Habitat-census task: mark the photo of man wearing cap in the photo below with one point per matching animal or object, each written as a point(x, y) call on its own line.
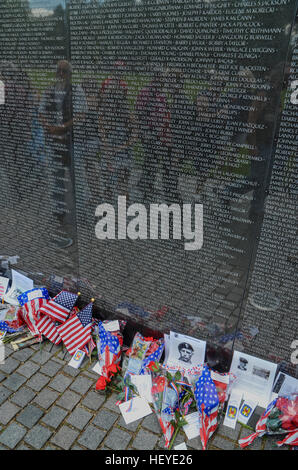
point(186, 352)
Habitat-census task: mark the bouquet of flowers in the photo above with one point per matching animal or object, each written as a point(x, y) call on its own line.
point(281, 417)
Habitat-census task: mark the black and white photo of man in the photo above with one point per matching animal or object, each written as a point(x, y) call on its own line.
point(186, 352)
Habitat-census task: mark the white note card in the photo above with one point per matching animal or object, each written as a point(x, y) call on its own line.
point(134, 409)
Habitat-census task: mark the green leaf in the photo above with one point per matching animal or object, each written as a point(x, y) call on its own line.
point(177, 376)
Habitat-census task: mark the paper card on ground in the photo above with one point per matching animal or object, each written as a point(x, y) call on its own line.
point(285, 384)
point(77, 359)
point(185, 352)
point(3, 285)
point(143, 384)
point(246, 411)
point(97, 368)
point(137, 409)
point(19, 285)
point(2, 334)
point(112, 326)
point(233, 410)
point(192, 428)
point(181, 446)
point(254, 377)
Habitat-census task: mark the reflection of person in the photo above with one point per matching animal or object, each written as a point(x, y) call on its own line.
point(62, 105)
point(117, 134)
point(152, 114)
point(186, 352)
point(242, 363)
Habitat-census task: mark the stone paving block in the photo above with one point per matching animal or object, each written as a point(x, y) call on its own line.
point(76, 447)
point(65, 437)
point(144, 440)
point(54, 417)
point(51, 348)
point(2, 377)
point(23, 396)
point(91, 437)
point(14, 381)
point(9, 366)
point(38, 436)
point(79, 418)
point(4, 394)
point(23, 354)
point(60, 382)
point(270, 443)
point(222, 443)
point(41, 357)
point(93, 400)
point(30, 415)
point(38, 381)
point(12, 435)
point(194, 443)
point(117, 439)
point(68, 400)
point(151, 423)
point(7, 412)
point(28, 369)
point(23, 447)
point(71, 371)
point(111, 403)
point(81, 385)
point(229, 432)
point(50, 368)
point(256, 445)
point(130, 427)
point(105, 419)
point(64, 356)
point(46, 398)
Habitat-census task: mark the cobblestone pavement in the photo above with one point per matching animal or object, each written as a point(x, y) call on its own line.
point(46, 404)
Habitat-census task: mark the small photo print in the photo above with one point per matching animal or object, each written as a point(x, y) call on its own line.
point(263, 373)
point(242, 364)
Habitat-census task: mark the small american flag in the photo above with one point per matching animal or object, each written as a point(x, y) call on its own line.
point(207, 401)
point(30, 313)
point(60, 306)
point(76, 331)
point(47, 327)
point(291, 439)
point(260, 427)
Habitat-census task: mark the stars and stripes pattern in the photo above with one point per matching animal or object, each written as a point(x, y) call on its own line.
point(31, 314)
point(76, 331)
point(291, 439)
point(260, 427)
point(60, 306)
point(47, 327)
point(155, 356)
point(207, 402)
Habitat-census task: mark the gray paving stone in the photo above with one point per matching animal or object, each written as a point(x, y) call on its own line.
point(4, 394)
point(130, 427)
point(118, 439)
point(256, 445)
point(50, 368)
point(81, 385)
point(41, 357)
point(38, 381)
point(46, 398)
point(23, 354)
point(93, 400)
point(23, 396)
point(12, 435)
point(54, 417)
point(69, 400)
point(229, 432)
point(9, 366)
point(145, 440)
point(194, 443)
point(79, 418)
point(29, 416)
point(60, 382)
point(23, 447)
point(105, 419)
point(91, 437)
point(51, 348)
point(7, 412)
point(111, 403)
point(65, 437)
point(76, 447)
point(222, 443)
point(38, 436)
point(28, 369)
point(2, 377)
point(151, 423)
point(71, 371)
point(14, 381)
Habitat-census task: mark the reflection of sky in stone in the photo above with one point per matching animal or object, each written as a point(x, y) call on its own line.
point(45, 4)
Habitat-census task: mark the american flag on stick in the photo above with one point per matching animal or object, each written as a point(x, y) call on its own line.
point(208, 402)
point(76, 331)
point(60, 306)
point(47, 327)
